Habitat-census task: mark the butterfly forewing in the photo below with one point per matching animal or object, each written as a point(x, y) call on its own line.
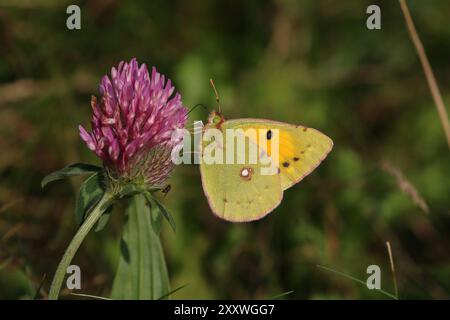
point(301, 149)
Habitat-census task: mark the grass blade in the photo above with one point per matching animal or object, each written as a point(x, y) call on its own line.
point(283, 294)
point(173, 291)
point(356, 280)
point(394, 274)
point(88, 296)
point(429, 75)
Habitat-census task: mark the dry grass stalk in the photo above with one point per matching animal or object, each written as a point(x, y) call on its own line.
point(434, 88)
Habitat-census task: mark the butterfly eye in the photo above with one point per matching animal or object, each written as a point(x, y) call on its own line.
point(269, 134)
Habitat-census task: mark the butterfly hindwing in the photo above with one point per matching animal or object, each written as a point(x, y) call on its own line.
point(235, 198)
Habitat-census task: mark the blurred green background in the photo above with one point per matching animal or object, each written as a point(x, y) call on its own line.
point(305, 62)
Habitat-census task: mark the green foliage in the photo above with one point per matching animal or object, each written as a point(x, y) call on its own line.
point(142, 272)
point(157, 206)
point(90, 193)
point(306, 62)
point(75, 169)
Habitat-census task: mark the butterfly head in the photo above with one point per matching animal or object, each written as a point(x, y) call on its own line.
point(215, 119)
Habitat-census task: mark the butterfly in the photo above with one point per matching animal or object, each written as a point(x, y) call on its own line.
point(243, 191)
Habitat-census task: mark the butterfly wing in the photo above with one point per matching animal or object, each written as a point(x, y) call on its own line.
point(236, 199)
point(301, 149)
point(239, 192)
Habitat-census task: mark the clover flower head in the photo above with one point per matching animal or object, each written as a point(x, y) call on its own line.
point(133, 121)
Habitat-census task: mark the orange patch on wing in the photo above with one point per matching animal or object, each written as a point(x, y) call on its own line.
point(286, 148)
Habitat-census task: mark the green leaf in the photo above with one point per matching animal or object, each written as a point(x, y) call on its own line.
point(160, 208)
point(156, 217)
point(156, 206)
point(130, 190)
point(90, 193)
point(101, 223)
point(69, 171)
point(142, 272)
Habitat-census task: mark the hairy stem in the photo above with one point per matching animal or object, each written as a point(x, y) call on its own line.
point(75, 244)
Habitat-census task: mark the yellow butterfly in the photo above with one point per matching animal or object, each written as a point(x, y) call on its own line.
point(240, 192)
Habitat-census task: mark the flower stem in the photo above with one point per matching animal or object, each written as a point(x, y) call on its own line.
point(87, 225)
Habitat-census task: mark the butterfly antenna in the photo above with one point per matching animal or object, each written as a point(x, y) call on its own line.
point(217, 95)
point(197, 105)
